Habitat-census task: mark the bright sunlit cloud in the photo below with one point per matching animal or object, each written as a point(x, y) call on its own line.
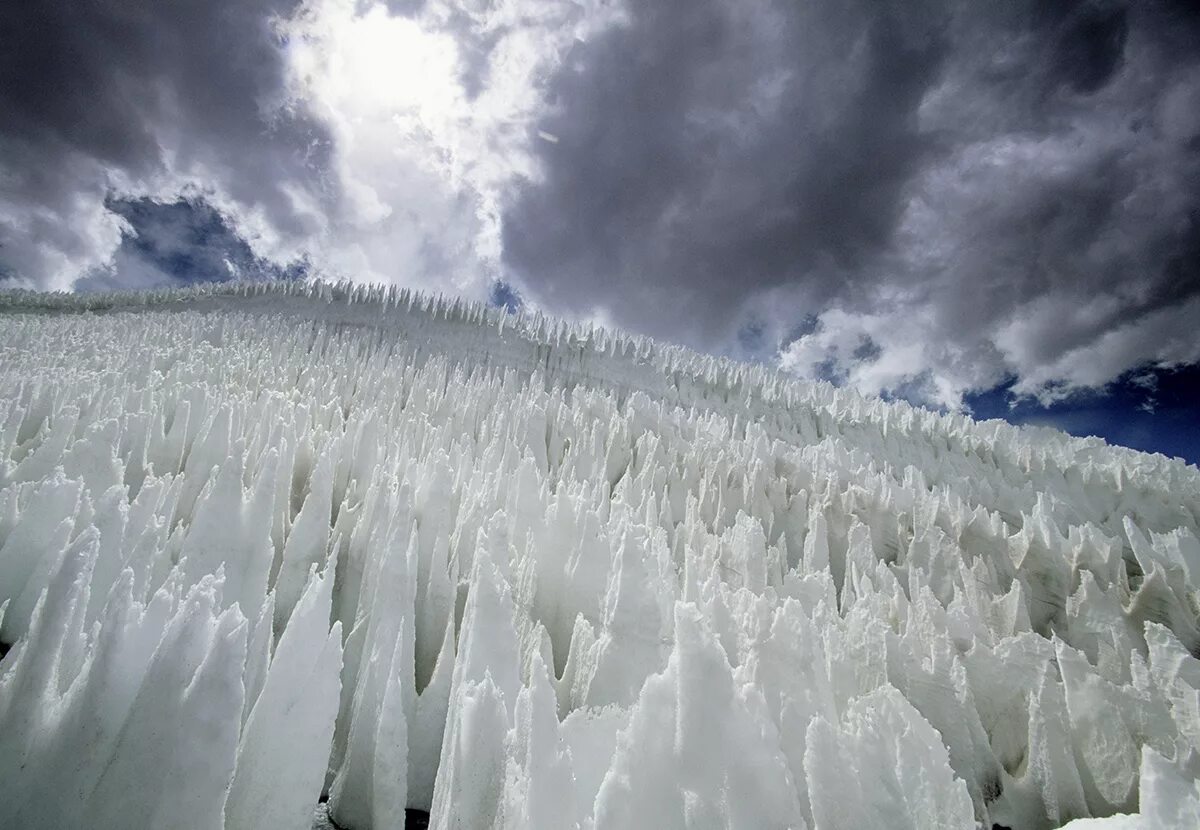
point(431, 118)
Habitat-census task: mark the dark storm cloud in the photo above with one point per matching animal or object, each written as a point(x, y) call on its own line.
point(710, 148)
point(1089, 46)
point(1065, 210)
point(96, 94)
point(1023, 177)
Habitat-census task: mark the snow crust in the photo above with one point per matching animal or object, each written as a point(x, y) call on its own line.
point(260, 544)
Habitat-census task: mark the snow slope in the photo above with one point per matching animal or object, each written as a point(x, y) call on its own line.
point(260, 543)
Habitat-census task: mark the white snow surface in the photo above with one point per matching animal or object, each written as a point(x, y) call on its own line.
point(265, 543)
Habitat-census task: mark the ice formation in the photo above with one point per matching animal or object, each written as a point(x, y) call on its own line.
point(263, 544)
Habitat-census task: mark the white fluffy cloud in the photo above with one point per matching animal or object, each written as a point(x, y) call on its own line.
point(431, 115)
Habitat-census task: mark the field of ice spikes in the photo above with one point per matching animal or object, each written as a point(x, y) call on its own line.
point(261, 546)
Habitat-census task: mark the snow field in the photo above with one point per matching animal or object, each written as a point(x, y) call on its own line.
point(263, 543)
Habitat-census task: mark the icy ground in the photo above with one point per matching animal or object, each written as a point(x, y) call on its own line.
point(414, 819)
point(260, 544)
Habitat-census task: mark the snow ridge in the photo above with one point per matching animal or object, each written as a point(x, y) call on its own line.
point(263, 543)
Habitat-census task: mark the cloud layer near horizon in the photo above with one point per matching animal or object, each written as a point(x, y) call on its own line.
point(919, 198)
point(956, 194)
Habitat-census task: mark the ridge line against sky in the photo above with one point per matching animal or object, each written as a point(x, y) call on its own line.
point(987, 208)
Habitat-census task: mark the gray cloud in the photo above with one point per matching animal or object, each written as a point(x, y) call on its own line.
point(100, 97)
point(980, 191)
point(918, 197)
point(710, 149)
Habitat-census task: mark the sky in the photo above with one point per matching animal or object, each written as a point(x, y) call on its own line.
point(986, 207)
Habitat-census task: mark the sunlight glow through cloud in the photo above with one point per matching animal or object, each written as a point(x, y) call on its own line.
point(427, 136)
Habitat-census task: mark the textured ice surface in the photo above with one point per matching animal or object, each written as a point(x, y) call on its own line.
point(264, 544)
